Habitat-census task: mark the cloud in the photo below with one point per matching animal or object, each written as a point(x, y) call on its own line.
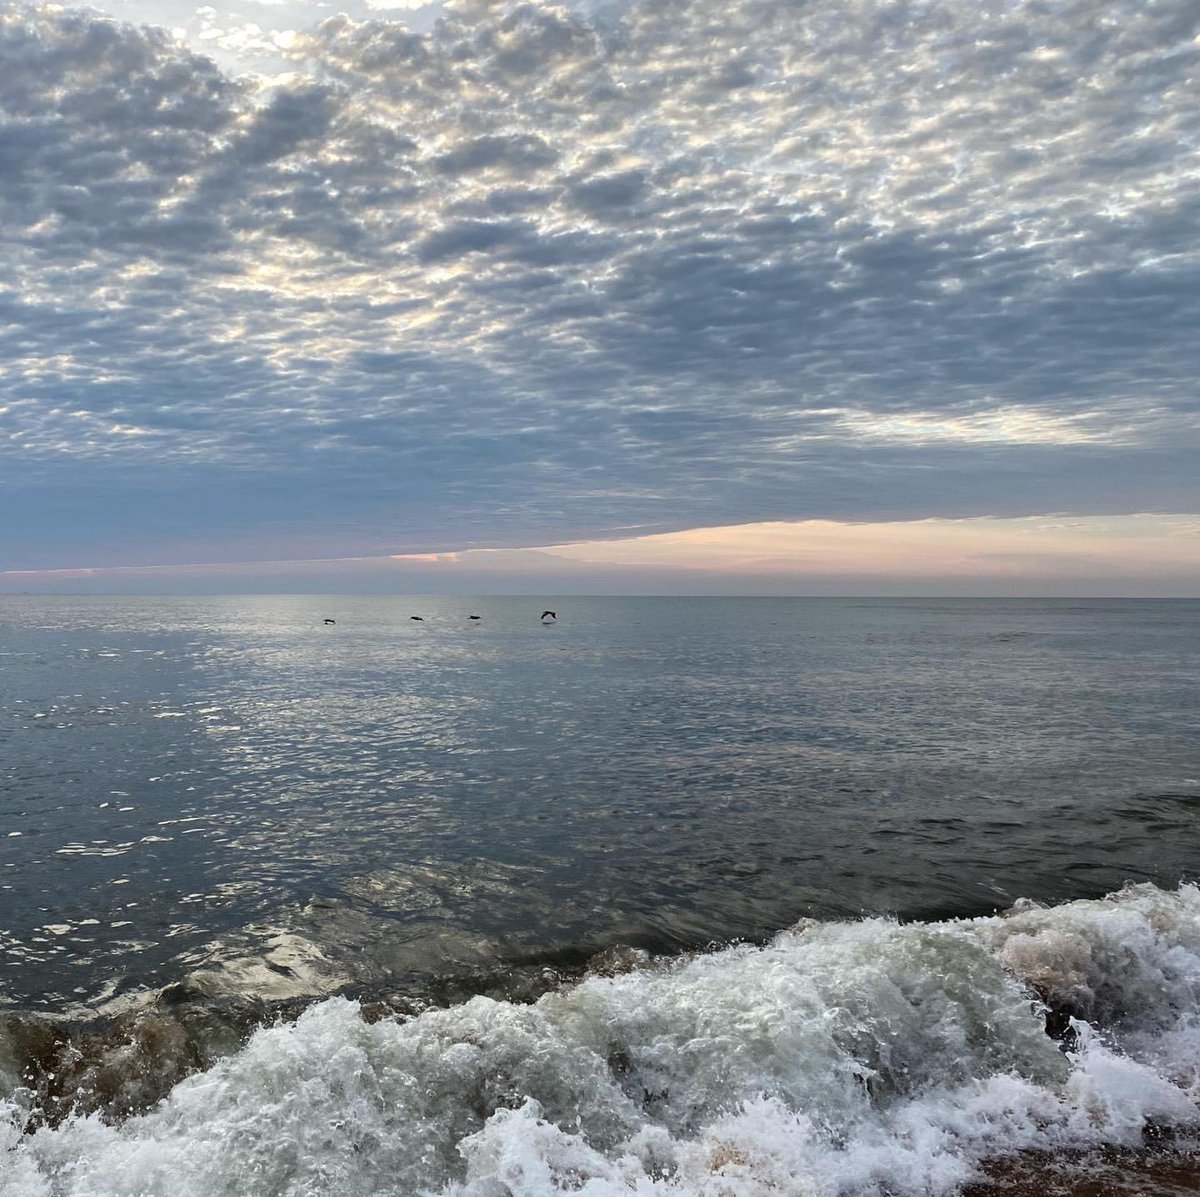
point(398, 5)
point(534, 276)
point(1119, 556)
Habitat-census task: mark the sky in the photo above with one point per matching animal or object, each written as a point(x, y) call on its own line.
point(763, 296)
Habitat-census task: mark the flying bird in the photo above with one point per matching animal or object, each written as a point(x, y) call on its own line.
point(420, 617)
point(552, 614)
point(474, 616)
point(331, 621)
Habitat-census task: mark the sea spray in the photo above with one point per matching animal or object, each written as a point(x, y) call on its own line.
point(840, 1058)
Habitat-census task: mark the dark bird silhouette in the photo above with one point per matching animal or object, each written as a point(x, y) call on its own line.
point(552, 614)
point(331, 621)
point(474, 616)
point(420, 617)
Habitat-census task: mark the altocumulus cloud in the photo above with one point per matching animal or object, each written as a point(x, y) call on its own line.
point(538, 276)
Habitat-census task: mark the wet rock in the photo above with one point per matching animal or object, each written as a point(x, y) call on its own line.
point(619, 959)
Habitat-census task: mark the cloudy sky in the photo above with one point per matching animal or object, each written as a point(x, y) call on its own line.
point(781, 295)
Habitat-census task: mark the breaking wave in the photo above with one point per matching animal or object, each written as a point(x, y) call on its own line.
point(840, 1058)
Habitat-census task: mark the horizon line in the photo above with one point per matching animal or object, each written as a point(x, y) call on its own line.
point(540, 594)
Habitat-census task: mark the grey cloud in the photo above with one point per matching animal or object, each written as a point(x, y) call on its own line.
point(286, 122)
point(604, 195)
point(515, 154)
point(471, 236)
point(533, 276)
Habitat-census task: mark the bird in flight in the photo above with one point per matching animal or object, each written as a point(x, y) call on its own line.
point(551, 614)
point(331, 621)
point(474, 616)
point(420, 617)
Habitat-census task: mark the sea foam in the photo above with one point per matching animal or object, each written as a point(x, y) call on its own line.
point(840, 1058)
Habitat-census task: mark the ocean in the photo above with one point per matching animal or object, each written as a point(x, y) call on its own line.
point(668, 895)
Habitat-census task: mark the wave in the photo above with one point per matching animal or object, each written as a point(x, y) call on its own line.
point(840, 1058)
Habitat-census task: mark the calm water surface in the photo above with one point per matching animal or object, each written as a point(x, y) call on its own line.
point(229, 789)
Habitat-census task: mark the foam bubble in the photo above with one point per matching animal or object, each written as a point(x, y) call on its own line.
point(851, 1058)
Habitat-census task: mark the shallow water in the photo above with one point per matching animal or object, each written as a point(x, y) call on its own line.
point(840, 1058)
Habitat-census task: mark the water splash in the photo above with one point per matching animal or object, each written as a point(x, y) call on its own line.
point(841, 1058)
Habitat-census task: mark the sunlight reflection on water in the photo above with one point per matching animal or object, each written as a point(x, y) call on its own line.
point(407, 796)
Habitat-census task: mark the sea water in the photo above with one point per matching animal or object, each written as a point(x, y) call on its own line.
point(781, 832)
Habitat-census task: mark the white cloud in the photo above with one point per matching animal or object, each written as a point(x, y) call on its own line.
point(999, 426)
point(399, 5)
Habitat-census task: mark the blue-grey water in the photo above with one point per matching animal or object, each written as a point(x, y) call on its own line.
point(218, 815)
point(215, 787)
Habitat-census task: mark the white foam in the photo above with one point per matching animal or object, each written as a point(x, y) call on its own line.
point(839, 1059)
